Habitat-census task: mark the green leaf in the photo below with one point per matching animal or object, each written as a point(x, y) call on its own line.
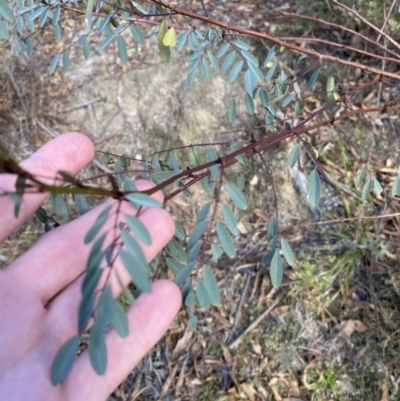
point(211, 285)
point(226, 240)
point(276, 270)
point(377, 186)
point(142, 199)
point(139, 229)
point(123, 53)
point(177, 251)
point(272, 230)
point(230, 219)
point(287, 252)
point(366, 190)
point(249, 103)
point(294, 155)
point(360, 176)
point(288, 100)
point(267, 258)
point(212, 156)
point(205, 69)
point(59, 206)
point(270, 55)
point(57, 32)
point(119, 320)
point(216, 252)
point(232, 110)
point(65, 61)
point(179, 232)
point(312, 80)
point(242, 45)
point(192, 323)
point(202, 295)
point(236, 195)
point(249, 81)
point(256, 72)
point(97, 349)
point(170, 38)
point(203, 212)
point(192, 75)
point(135, 251)
point(223, 49)
point(54, 63)
point(194, 155)
point(190, 299)
point(264, 97)
point(64, 360)
point(182, 40)
point(97, 226)
point(208, 186)
point(173, 161)
point(174, 266)
point(396, 187)
point(196, 234)
point(330, 84)
point(269, 122)
point(137, 34)
point(213, 61)
point(89, 15)
point(228, 62)
point(163, 50)
point(86, 306)
point(314, 188)
point(6, 11)
point(237, 68)
point(184, 274)
point(56, 15)
point(139, 277)
point(271, 72)
point(96, 254)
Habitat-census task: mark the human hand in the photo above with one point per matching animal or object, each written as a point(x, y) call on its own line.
point(41, 290)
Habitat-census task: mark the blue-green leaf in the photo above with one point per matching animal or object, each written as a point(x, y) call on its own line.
point(249, 103)
point(176, 249)
point(232, 110)
point(174, 266)
point(81, 204)
point(203, 212)
point(138, 229)
point(54, 63)
point(226, 240)
point(312, 80)
point(64, 360)
point(377, 186)
point(223, 49)
point(230, 219)
point(271, 72)
point(288, 100)
point(202, 295)
point(212, 156)
point(121, 44)
point(139, 198)
point(137, 34)
point(294, 155)
point(211, 285)
point(228, 62)
point(135, 251)
point(242, 45)
point(213, 61)
point(139, 277)
point(396, 187)
point(119, 320)
point(6, 11)
point(366, 190)
point(216, 252)
point(236, 195)
point(236, 69)
point(196, 234)
point(314, 188)
point(65, 61)
point(287, 252)
point(179, 232)
point(97, 349)
point(249, 82)
point(97, 226)
point(264, 97)
point(276, 269)
point(272, 230)
point(360, 176)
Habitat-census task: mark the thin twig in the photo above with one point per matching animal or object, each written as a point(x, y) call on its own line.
point(79, 105)
point(256, 322)
point(386, 19)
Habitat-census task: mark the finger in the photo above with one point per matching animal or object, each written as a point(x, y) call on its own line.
point(148, 318)
point(71, 152)
point(60, 256)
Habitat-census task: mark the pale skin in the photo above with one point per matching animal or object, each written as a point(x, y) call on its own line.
point(41, 290)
